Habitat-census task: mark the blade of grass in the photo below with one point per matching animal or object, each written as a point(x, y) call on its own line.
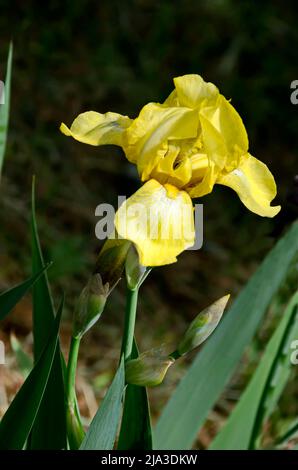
point(10, 298)
point(243, 426)
point(198, 391)
point(17, 422)
point(49, 430)
point(4, 108)
point(135, 430)
point(102, 432)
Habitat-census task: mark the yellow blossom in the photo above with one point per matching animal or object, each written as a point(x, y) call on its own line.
point(181, 148)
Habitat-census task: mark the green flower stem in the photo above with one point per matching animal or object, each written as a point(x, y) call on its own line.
point(130, 320)
point(71, 369)
point(75, 429)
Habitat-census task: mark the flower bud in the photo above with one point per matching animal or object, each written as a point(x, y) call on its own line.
point(75, 431)
point(90, 305)
point(111, 261)
point(202, 327)
point(149, 369)
point(135, 272)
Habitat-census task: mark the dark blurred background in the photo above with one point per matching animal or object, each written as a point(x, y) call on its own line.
point(74, 56)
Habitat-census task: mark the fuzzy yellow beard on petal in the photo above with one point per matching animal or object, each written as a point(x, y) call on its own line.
point(159, 220)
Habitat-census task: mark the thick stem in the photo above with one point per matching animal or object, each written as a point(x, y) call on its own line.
point(129, 325)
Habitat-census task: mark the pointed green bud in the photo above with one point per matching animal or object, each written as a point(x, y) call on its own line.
point(149, 369)
point(111, 261)
point(75, 431)
point(90, 305)
point(135, 272)
point(202, 327)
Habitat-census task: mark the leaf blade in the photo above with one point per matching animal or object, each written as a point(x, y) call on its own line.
point(24, 408)
point(101, 434)
point(49, 430)
point(136, 432)
point(241, 430)
point(24, 361)
point(11, 297)
point(232, 338)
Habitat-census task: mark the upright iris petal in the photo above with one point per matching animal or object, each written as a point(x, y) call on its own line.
point(192, 91)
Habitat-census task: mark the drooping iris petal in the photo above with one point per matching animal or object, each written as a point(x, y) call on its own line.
point(98, 129)
point(148, 135)
point(254, 185)
point(159, 220)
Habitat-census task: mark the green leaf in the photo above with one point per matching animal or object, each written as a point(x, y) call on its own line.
point(11, 297)
point(282, 372)
point(43, 308)
point(102, 432)
point(17, 422)
point(4, 108)
point(135, 430)
point(49, 430)
point(24, 361)
point(198, 391)
point(243, 426)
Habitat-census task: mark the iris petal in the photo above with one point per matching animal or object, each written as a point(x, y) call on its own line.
point(147, 137)
point(254, 185)
point(213, 143)
point(171, 170)
point(159, 220)
point(204, 185)
point(227, 122)
point(98, 129)
point(193, 91)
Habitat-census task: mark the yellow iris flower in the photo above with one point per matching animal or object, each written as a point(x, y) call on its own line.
point(181, 148)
